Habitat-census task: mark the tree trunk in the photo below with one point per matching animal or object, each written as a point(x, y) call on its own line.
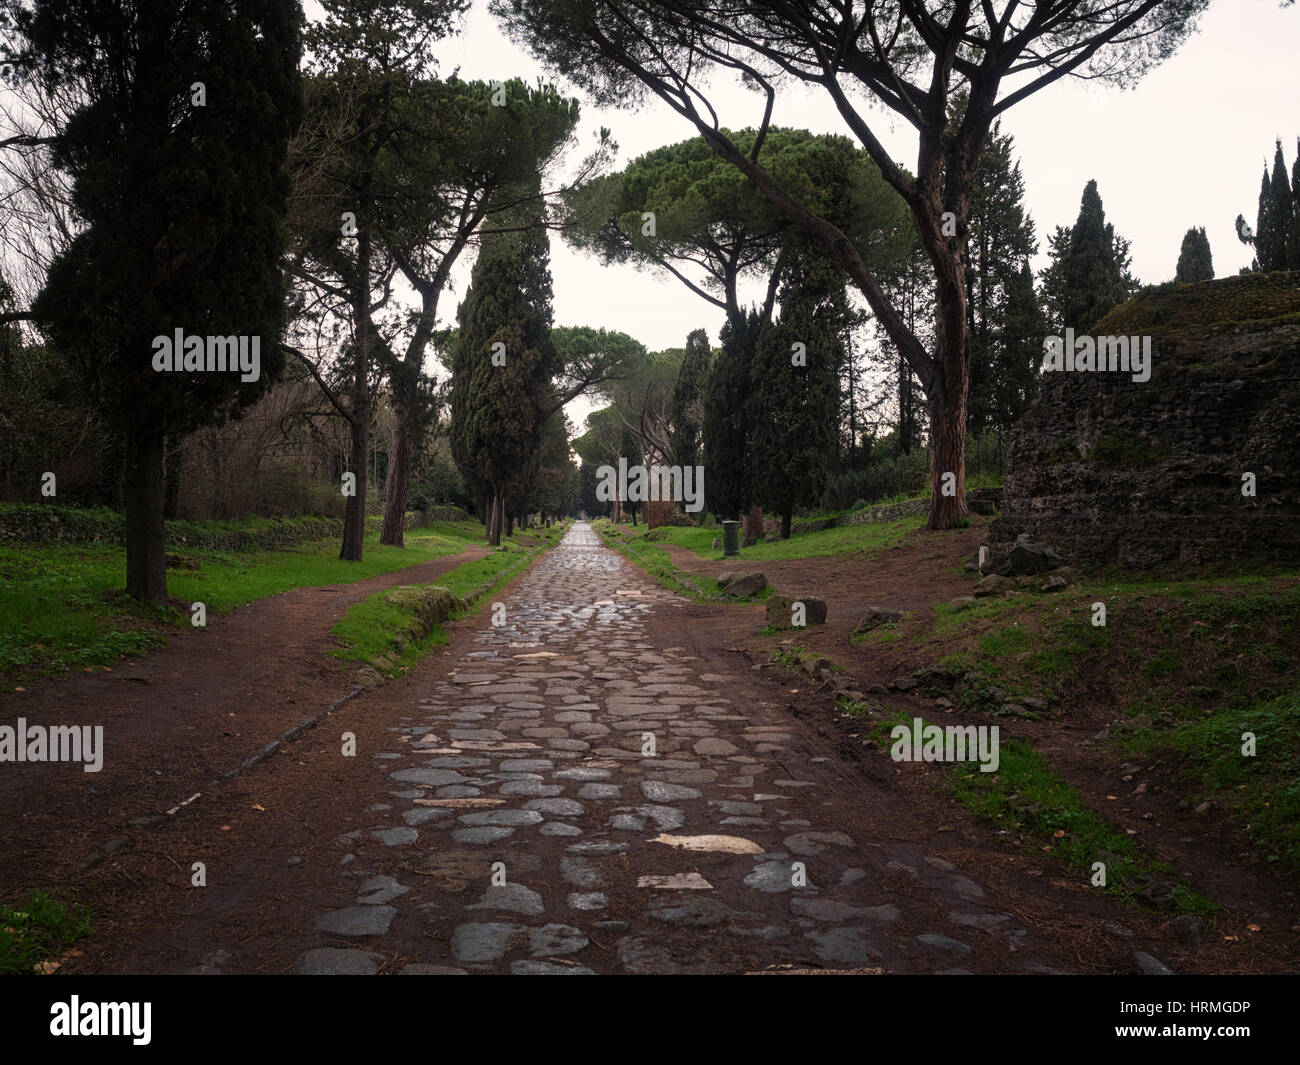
point(146, 534)
point(946, 394)
point(354, 513)
point(786, 521)
point(753, 527)
point(853, 416)
point(510, 524)
point(399, 476)
point(494, 524)
point(947, 456)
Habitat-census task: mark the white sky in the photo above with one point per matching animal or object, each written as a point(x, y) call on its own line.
point(1186, 147)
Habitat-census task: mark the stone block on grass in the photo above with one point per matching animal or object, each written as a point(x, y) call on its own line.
point(781, 610)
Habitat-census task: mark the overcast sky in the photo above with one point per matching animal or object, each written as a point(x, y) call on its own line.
point(1184, 148)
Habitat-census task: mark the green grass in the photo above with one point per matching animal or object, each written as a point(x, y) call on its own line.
point(872, 539)
point(632, 544)
point(38, 930)
point(1042, 814)
point(1172, 643)
point(1039, 810)
point(1179, 310)
point(1183, 667)
point(1260, 791)
point(789, 656)
point(952, 620)
point(61, 606)
point(860, 712)
point(375, 632)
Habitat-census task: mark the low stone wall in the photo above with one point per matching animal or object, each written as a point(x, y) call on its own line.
point(37, 523)
point(907, 508)
point(867, 516)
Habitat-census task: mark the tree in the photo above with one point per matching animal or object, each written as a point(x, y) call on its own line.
point(629, 449)
point(1244, 233)
point(794, 394)
point(726, 424)
point(592, 360)
point(181, 205)
point(1194, 260)
point(1018, 354)
point(1293, 241)
point(505, 360)
point(681, 209)
point(687, 410)
point(370, 62)
point(641, 400)
point(913, 58)
point(684, 211)
point(1277, 237)
point(1001, 238)
point(587, 502)
point(471, 140)
point(910, 286)
point(1089, 273)
point(554, 485)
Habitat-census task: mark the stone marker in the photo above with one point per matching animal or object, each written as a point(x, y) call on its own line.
point(780, 610)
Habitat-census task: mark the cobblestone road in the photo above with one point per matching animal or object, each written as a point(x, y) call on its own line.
point(531, 830)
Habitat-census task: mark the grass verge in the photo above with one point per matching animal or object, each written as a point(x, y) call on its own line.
point(389, 639)
point(1180, 671)
point(1041, 813)
point(1247, 762)
point(632, 544)
point(36, 933)
point(871, 538)
point(61, 605)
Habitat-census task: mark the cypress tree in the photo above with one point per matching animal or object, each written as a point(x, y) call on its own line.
point(1194, 260)
point(504, 360)
point(725, 428)
point(1264, 227)
point(629, 448)
point(1281, 214)
point(1001, 236)
point(175, 151)
point(794, 393)
point(1293, 243)
point(688, 397)
point(1019, 352)
point(1089, 274)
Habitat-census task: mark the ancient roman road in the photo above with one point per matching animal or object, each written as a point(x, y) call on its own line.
point(574, 798)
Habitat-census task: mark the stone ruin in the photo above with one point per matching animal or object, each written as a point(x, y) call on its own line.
point(1107, 469)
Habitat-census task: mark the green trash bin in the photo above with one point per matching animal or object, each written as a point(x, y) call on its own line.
point(730, 538)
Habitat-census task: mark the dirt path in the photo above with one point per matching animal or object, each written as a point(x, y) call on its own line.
point(175, 719)
point(1259, 930)
point(524, 745)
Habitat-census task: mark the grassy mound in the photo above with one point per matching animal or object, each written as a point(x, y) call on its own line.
point(1177, 310)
